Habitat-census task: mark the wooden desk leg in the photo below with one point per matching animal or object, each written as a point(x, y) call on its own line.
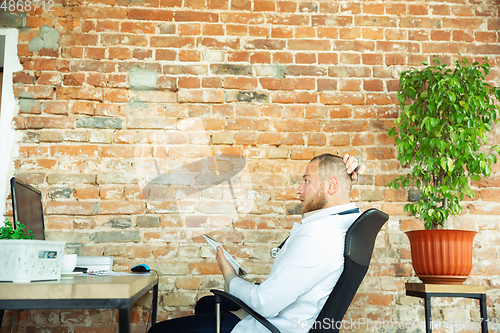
point(428, 314)
point(124, 320)
point(484, 313)
point(1, 318)
point(155, 304)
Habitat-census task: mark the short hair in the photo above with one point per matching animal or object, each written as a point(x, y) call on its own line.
point(330, 165)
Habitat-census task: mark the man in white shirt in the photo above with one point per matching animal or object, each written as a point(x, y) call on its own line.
point(307, 266)
point(312, 259)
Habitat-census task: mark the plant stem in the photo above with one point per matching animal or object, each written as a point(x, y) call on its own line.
point(445, 221)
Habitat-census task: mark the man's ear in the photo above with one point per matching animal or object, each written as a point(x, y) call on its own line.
point(332, 185)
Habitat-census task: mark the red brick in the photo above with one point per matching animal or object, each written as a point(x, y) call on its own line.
point(86, 193)
point(328, 58)
point(395, 59)
point(142, 54)
point(260, 58)
point(213, 30)
point(240, 83)
point(293, 97)
point(270, 83)
point(138, 27)
point(189, 82)
point(150, 14)
point(375, 21)
point(345, 126)
point(342, 98)
point(363, 140)
point(189, 29)
point(246, 124)
point(463, 36)
point(350, 58)
point(305, 32)
point(281, 32)
point(327, 32)
point(259, 31)
point(48, 78)
point(236, 30)
point(377, 9)
point(83, 108)
point(396, 9)
point(486, 37)
point(218, 4)
point(38, 22)
point(89, 12)
point(309, 44)
point(95, 53)
point(165, 54)
point(350, 85)
point(187, 16)
point(211, 82)
point(418, 10)
point(121, 207)
point(107, 26)
point(282, 58)
point(310, 125)
point(373, 85)
point(188, 55)
point(214, 43)
point(305, 58)
point(56, 107)
point(50, 122)
point(372, 59)
point(396, 34)
point(80, 151)
point(372, 33)
point(264, 6)
point(174, 42)
point(70, 208)
point(462, 23)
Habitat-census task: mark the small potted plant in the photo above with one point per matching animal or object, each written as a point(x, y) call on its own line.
point(441, 135)
point(24, 259)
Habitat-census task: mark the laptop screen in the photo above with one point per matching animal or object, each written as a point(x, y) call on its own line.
point(27, 207)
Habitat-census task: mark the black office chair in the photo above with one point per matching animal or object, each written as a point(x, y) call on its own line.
point(358, 249)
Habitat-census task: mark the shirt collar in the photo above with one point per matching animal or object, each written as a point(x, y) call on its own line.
point(320, 213)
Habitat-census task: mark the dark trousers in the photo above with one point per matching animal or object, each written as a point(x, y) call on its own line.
point(203, 321)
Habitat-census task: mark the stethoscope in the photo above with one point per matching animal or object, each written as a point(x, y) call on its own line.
point(274, 251)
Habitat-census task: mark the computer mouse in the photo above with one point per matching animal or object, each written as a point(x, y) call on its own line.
point(140, 268)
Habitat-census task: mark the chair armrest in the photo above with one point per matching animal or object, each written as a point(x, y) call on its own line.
point(249, 310)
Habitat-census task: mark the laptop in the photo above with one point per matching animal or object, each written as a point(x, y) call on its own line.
point(27, 207)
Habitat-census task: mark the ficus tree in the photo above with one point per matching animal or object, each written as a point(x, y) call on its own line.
point(441, 133)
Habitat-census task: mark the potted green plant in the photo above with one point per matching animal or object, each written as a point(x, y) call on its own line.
point(441, 135)
point(24, 259)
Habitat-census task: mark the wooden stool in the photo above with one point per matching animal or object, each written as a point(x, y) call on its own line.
point(426, 291)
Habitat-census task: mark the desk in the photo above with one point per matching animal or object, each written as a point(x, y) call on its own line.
point(82, 292)
point(426, 291)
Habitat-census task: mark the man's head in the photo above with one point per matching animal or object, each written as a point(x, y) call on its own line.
point(326, 183)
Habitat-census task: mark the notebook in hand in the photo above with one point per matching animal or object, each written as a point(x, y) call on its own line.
point(236, 266)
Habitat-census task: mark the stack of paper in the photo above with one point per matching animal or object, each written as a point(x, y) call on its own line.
point(236, 266)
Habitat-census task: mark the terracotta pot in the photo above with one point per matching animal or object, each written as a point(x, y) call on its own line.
point(441, 256)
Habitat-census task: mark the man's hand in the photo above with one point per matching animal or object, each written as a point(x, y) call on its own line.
point(351, 164)
point(224, 265)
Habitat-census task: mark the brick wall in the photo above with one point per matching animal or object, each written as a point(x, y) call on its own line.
point(133, 116)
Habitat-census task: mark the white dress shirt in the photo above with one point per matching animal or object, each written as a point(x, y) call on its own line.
point(303, 274)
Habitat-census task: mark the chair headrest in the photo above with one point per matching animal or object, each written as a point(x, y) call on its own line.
point(361, 235)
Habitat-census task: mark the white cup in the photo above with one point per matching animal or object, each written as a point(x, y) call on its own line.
point(68, 263)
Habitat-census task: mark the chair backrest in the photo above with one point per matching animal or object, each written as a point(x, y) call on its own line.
point(359, 243)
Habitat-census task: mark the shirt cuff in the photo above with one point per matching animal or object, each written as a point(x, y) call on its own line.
point(227, 281)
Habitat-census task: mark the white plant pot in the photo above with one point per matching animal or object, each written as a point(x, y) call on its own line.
point(23, 261)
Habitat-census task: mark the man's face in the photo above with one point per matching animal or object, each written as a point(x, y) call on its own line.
point(311, 192)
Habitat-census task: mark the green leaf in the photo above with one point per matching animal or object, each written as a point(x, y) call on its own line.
point(475, 177)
